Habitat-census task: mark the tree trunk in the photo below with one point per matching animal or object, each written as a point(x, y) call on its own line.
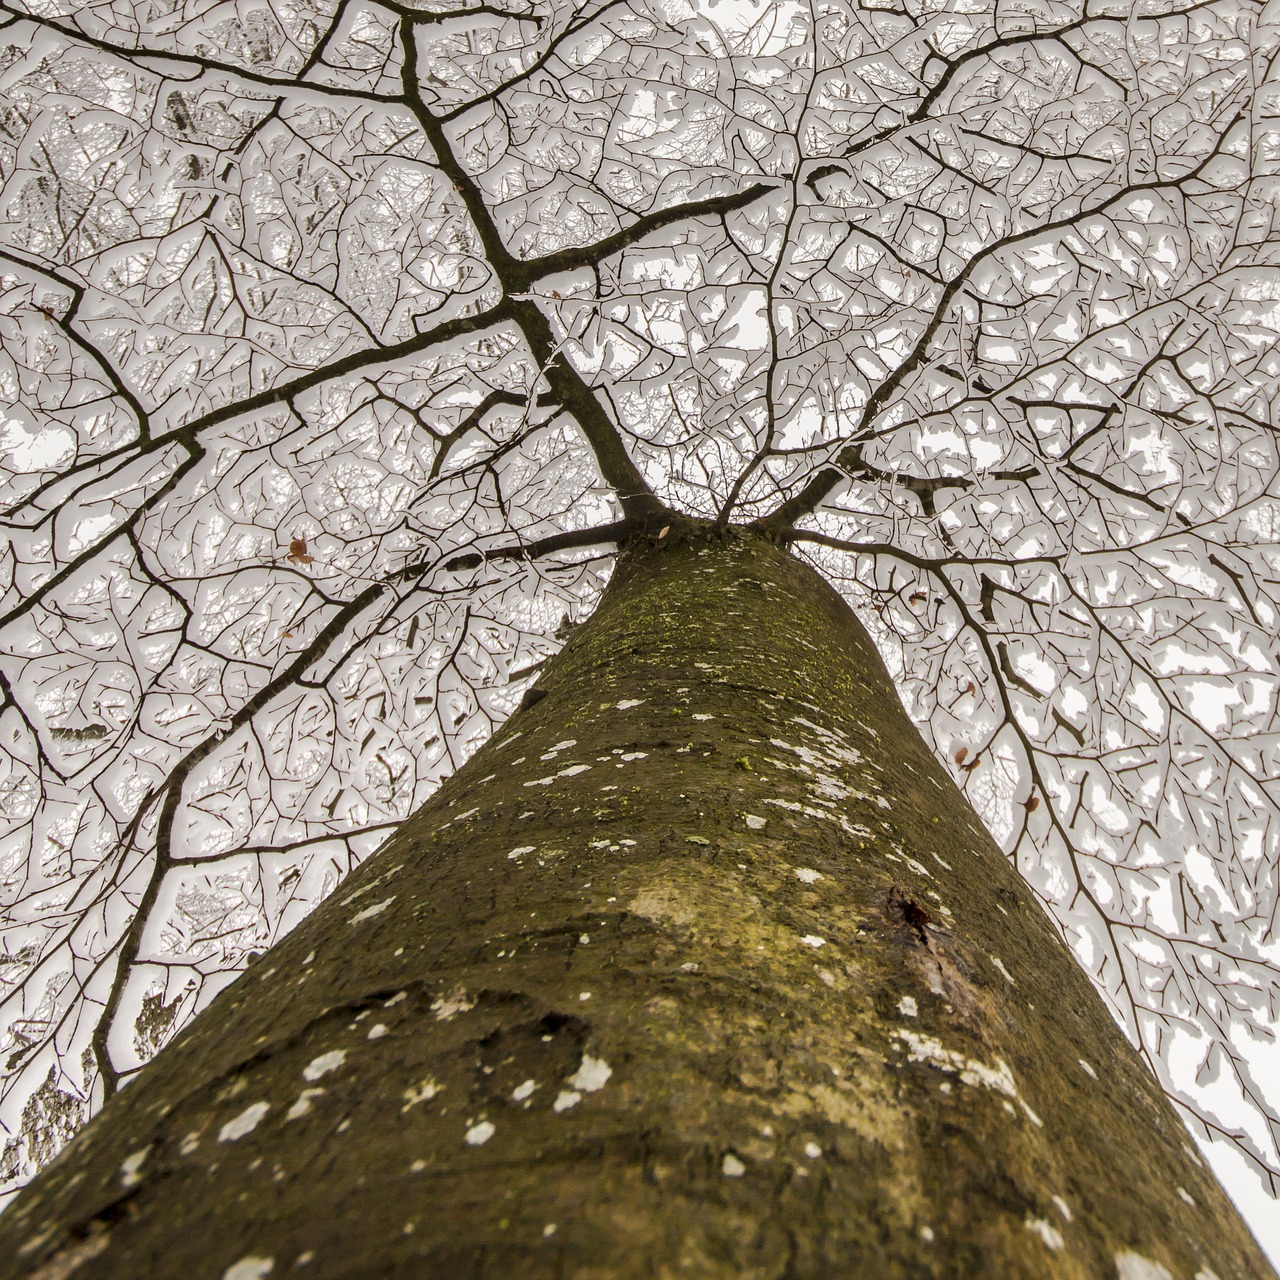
point(701, 968)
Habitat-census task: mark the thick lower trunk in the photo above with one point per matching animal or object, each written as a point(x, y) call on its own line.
point(701, 968)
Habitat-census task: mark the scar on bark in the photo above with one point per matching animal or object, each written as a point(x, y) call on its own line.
point(903, 910)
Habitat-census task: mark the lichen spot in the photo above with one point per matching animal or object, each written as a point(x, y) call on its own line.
point(1047, 1232)
point(323, 1064)
point(1087, 1069)
point(422, 1092)
point(378, 1030)
point(812, 1150)
point(369, 912)
point(519, 851)
point(565, 1099)
point(479, 1134)
point(302, 1104)
point(807, 875)
point(1133, 1266)
point(1185, 1196)
point(251, 1267)
point(812, 940)
point(754, 821)
point(523, 1091)
point(246, 1122)
point(446, 1007)
point(731, 1166)
point(907, 1007)
point(592, 1074)
point(131, 1169)
point(627, 703)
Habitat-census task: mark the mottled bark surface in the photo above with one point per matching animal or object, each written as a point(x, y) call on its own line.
point(701, 968)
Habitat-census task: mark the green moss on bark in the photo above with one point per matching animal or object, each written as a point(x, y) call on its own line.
point(698, 969)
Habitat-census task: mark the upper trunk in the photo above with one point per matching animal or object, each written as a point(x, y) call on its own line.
point(701, 968)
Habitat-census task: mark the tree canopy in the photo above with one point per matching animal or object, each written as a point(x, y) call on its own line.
point(341, 343)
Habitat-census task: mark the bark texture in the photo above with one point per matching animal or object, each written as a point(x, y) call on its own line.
point(701, 968)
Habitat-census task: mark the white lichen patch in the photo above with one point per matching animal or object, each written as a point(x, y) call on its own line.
point(832, 740)
point(1133, 1266)
point(322, 1064)
point(378, 1030)
point(1087, 1069)
point(907, 1007)
point(854, 830)
point(478, 1134)
point(812, 940)
point(570, 771)
point(131, 1168)
point(519, 851)
point(250, 1267)
point(999, 964)
point(592, 1074)
point(1047, 1232)
point(731, 1166)
point(627, 703)
point(424, 1091)
point(812, 1150)
point(635, 755)
point(371, 885)
point(1186, 1197)
point(246, 1122)
point(369, 912)
point(999, 1078)
point(565, 1099)
point(754, 821)
point(807, 875)
point(523, 1091)
point(303, 1104)
point(449, 1006)
point(1062, 1207)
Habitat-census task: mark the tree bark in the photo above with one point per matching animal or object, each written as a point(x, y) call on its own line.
point(701, 968)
